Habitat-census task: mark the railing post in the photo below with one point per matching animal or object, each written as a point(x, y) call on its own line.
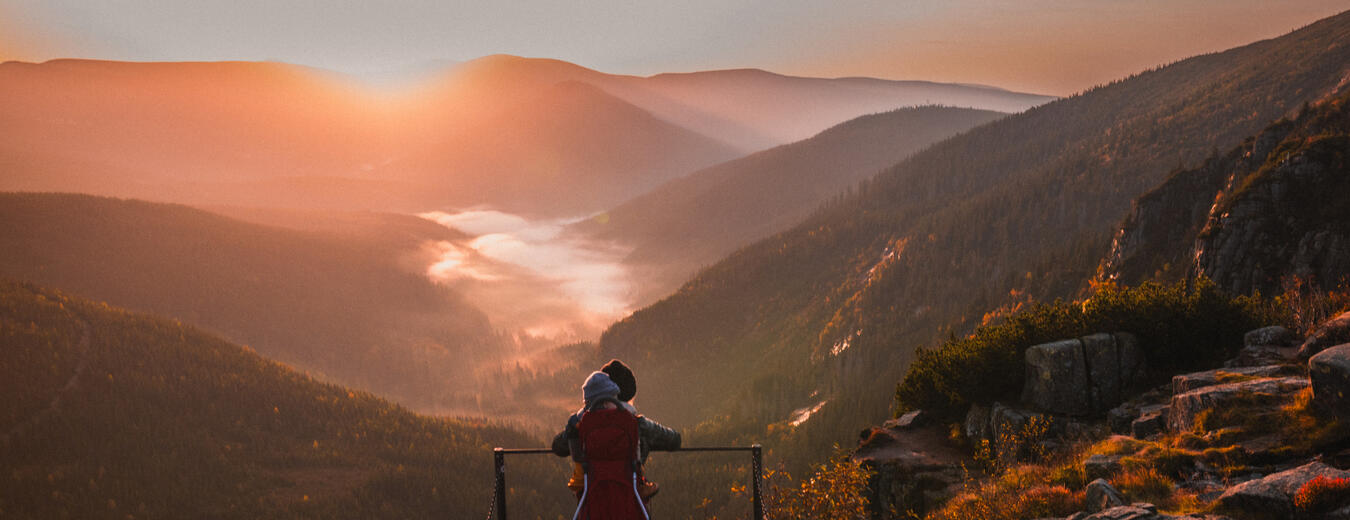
point(757, 463)
point(499, 460)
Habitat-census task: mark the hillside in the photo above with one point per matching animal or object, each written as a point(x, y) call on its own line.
point(1268, 211)
point(565, 149)
point(700, 218)
point(354, 308)
point(115, 414)
point(828, 314)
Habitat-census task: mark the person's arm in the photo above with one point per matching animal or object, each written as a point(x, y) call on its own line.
point(559, 446)
point(658, 437)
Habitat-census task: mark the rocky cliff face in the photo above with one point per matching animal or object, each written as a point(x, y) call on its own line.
point(1287, 219)
point(1274, 206)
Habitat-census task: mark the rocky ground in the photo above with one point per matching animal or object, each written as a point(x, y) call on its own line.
point(1264, 437)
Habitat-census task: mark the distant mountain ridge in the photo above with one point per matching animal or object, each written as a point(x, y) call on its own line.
point(829, 312)
point(259, 133)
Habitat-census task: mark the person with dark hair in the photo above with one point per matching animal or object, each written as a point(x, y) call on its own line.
point(652, 435)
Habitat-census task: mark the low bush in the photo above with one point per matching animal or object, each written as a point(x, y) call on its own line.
point(1322, 495)
point(1185, 326)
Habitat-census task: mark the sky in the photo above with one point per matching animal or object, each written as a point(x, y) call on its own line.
point(1046, 46)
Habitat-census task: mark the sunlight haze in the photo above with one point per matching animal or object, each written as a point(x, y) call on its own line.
point(1045, 46)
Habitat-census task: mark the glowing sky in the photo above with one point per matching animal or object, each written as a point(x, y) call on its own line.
point(1047, 46)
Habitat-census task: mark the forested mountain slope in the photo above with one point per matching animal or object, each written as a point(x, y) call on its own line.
point(1268, 211)
point(698, 219)
point(833, 309)
point(343, 306)
point(114, 414)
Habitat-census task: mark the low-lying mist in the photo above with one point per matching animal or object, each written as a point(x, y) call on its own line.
point(539, 285)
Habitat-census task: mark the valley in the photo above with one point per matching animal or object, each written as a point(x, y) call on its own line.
point(256, 289)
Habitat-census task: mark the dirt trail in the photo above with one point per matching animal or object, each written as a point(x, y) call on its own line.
point(71, 385)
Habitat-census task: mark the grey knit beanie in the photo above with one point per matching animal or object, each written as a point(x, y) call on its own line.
point(597, 386)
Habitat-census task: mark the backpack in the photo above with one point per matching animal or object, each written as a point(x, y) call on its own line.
point(608, 451)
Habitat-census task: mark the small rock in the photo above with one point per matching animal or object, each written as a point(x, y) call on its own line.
point(909, 420)
point(1150, 423)
point(1273, 335)
point(976, 427)
point(1146, 506)
point(1274, 494)
point(1329, 371)
point(1207, 490)
point(1102, 496)
point(1331, 333)
point(1125, 513)
point(1118, 419)
point(1099, 466)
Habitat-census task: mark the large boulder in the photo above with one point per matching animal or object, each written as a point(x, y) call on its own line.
point(1186, 408)
point(1333, 332)
point(1272, 336)
point(1082, 376)
point(1273, 495)
point(1329, 371)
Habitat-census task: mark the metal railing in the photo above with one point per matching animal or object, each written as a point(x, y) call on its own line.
point(499, 463)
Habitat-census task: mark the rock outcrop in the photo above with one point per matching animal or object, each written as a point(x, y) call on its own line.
point(1267, 210)
point(1329, 371)
point(1082, 376)
point(1335, 331)
point(1187, 408)
point(1274, 494)
point(1186, 382)
point(916, 466)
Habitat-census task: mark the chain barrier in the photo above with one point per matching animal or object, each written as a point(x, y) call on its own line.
point(757, 469)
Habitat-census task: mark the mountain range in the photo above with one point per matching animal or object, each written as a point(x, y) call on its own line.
point(826, 316)
point(507, 132)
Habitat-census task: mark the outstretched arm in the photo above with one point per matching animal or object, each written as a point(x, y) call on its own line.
point(658, 437)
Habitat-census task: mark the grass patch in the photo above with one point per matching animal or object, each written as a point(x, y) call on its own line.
point(1145, 484)
point(1022, 492)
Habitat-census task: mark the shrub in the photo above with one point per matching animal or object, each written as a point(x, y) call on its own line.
point(1322, 495)
point(1183, 326)
point(837, 490)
